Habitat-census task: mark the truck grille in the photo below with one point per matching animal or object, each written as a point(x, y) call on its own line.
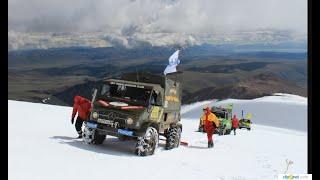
point(112, 115)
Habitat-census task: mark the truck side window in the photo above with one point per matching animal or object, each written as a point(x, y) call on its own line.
point(156, 98)
point(153, 98)
point(159, 99)
point(105, 90)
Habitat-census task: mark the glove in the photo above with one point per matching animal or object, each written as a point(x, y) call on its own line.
point(72, 120)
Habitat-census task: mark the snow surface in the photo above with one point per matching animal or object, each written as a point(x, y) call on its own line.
point(42, 146)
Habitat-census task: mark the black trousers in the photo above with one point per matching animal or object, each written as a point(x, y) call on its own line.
point(234, 130)
point(78, 125)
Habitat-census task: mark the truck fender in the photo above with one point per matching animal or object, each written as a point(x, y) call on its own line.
point(149, 124)
point(176, 125)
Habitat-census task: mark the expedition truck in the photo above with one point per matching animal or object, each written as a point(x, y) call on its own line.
point(138, 107)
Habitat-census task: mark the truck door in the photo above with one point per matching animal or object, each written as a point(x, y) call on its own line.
point(156, 106)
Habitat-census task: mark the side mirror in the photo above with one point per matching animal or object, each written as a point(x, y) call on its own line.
point(94, 93)
point(92, 90)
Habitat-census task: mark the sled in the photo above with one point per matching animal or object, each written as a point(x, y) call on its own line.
point(183, 143)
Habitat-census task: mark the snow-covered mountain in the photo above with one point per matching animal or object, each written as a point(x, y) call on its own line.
point(271, 38)
point(42, 145)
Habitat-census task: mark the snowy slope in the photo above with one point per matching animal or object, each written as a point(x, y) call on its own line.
point(42, 146)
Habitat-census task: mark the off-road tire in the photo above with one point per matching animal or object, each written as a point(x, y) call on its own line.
point(173, 137)
point(98, 138)
point(222, 131)
point(249, 129)
point(147, 144)
point(90, 136)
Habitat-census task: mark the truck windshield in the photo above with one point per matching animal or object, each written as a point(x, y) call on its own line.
point(220, 114)
point(126, 92)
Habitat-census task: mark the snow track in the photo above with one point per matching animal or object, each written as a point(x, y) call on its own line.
point(42, 146)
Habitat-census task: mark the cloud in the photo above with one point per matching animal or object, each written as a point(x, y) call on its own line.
point(19, 40)
point(127, 22)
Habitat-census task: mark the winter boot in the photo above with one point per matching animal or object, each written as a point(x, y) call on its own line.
point(210, 144)
point(80, 136)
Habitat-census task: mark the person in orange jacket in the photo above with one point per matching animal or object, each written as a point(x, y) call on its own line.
point(235, 124)
point(211, 122)
point(82, 106)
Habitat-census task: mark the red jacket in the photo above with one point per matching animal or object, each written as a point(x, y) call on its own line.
point(82, 106)
point(235, 122)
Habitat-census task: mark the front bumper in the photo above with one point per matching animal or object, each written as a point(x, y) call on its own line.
point(244, 125)
point(105, 129)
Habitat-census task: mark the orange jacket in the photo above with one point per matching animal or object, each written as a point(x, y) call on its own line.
point(209, 118)
point(82, 106)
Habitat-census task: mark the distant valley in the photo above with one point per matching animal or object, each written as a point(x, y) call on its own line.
point(209, 72)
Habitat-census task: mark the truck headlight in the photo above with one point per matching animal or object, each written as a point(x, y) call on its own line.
point(129, 121)
point(95, 115)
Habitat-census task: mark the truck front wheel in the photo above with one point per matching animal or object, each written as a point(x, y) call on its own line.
point(98, 138)
point(147, 144)
point(91, 136)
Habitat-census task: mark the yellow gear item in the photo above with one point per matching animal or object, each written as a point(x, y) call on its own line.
point(248, 116)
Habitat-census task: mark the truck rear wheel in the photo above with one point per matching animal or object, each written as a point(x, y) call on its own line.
point(147, 144)
point(173, 138)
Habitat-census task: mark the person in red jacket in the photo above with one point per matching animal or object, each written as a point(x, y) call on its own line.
point(210, 125)
point(235, 124)
point(82, 106)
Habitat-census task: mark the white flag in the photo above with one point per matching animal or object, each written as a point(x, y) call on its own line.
point(173, 62)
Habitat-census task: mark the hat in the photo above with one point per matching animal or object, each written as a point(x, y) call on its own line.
point(206, 108)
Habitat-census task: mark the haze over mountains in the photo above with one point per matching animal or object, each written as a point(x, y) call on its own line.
point(210, 71)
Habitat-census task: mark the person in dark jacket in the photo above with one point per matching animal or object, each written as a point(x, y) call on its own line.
point(82, 106)
point(235, 124)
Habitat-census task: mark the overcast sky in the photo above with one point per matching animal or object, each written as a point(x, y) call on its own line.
point(189, 16)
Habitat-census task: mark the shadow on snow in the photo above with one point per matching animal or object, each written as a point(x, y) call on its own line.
point(110, 146)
